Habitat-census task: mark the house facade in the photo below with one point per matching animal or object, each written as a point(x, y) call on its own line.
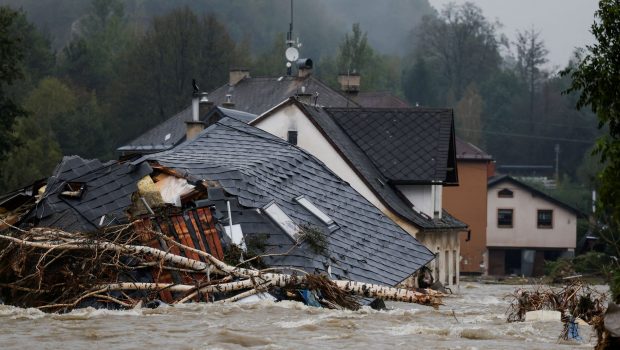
point(525, 227)
point(401, 174)
point(468, 202)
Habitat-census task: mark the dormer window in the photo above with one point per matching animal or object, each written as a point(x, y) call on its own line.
point(505, 193)
point(292, 137)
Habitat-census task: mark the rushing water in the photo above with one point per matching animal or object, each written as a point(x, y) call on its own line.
point(473, 319)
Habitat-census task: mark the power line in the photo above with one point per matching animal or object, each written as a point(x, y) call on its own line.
point(531, 136)
point(544, 123)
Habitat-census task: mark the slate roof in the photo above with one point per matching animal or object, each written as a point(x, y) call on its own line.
point(500, 179)
point(258, 168)
point(108, 190)
point(172, 131)
point(408, 145)
point(467, 151)
point(257, 95)
point(373, 177)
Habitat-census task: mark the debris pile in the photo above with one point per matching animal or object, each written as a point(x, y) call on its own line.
point(577, 300)
point(57, 271)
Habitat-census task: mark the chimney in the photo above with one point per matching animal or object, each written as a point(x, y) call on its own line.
point(229, 103)
point(235, 75)
point(303, 97)
point(199, 104)
point(304, 67)
point(204, 106)
point(349, 83)
point(193, 129)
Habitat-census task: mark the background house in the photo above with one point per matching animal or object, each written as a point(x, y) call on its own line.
point(525, 227)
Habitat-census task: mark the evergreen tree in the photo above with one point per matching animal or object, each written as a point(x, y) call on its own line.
point(11, 56)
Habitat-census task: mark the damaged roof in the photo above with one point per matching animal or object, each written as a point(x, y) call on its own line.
point(260, 168)
point(173, 131)
point(106, 194)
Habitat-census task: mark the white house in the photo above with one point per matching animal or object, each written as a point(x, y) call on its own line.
point(525, 227)
point(397, 158)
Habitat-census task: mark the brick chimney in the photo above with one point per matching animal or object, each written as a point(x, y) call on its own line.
point(349, 83)
point(235, 75)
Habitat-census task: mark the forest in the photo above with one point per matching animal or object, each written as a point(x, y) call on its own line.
point(91, 75)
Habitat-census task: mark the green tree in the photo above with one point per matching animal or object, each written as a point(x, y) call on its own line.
point(11, 57)
point(419, 83)
point(155, 76)
point(461, 46)
point(90, 58)
point(354, 53)
point(531, 55)
point(596, 79)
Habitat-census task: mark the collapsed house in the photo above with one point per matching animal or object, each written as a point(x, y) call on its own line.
point(233, 194)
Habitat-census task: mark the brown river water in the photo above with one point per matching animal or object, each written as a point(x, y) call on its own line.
point(472, 319)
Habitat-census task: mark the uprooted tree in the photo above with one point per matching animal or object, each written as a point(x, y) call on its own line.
point(56, 270)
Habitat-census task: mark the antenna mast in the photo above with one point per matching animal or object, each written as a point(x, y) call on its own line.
point(289, 39)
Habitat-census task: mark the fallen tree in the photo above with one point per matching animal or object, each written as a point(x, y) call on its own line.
point(56, 270)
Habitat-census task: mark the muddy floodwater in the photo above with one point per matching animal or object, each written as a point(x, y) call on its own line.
point(473, 319)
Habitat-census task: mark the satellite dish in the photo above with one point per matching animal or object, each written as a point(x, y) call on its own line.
point(291, 54)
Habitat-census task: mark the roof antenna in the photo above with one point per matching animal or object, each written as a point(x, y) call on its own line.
point(291, 53)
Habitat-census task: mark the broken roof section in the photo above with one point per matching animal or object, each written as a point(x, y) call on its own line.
point(173, 131)
point(262, 170)
point(84, 195)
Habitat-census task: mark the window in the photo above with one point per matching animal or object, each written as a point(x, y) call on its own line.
point(505, 193)
point(284, 221)
point(545, 219)
point(292, 137)
point(314, 210)
point(504, 218)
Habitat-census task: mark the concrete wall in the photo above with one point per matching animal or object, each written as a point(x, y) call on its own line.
point(423, 197)
point(525, 232)
point(468, 202)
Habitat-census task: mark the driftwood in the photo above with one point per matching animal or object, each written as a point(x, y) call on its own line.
point(71, 268)
point(574, 300)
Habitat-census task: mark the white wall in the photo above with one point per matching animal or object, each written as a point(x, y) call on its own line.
point(524, 232)
point(425, 198)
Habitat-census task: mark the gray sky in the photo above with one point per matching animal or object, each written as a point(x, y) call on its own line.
point(563, 24)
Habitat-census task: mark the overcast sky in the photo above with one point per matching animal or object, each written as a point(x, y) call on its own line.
point(563, 24)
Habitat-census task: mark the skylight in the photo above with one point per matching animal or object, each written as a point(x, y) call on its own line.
point(284, 221)
point(304, 202)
